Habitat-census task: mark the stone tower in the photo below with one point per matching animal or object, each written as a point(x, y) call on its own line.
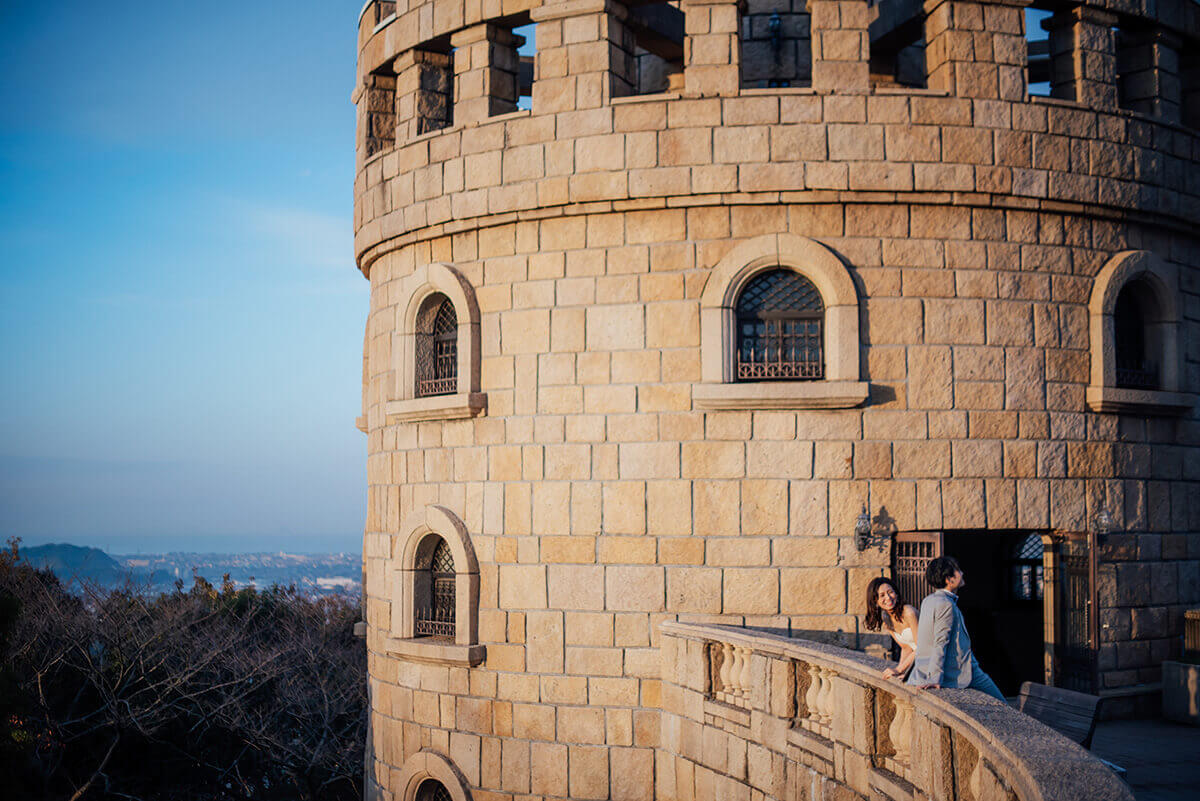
point(715, 309)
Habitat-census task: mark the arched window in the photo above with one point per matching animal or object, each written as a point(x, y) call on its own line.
point(779, 329)
point(780, 321)
point(436, 347)
point(433, 790)
point(1134, 338)
point(434, 592)
point(1136, 328)
point(1025, 569)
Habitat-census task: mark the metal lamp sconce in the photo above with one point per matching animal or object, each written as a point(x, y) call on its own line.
point(862, 530)
point(1103, 525)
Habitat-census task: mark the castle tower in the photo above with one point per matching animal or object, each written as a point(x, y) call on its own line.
point(658, 315)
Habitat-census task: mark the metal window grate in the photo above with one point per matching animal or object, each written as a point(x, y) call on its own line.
point(437, 348)
point(1026, 570)
point(1133, 369)
point(912, 554)
point(436, 619)
point(432, 790)
point(780, 321)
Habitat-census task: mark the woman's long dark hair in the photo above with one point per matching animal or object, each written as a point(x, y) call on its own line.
point(874, 619)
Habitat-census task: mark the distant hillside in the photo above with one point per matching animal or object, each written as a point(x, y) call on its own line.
point(75, 563)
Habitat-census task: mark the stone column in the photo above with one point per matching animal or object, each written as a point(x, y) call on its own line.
point(584, 55)
point(424, 84)
point(1083, 57)
point(712, 47)
point(485, 73)
point(841, 46)
point(1148, 72)
point(377, 114)
point(976, 48)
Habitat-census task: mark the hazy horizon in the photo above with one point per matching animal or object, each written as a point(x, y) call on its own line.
point(182, 318)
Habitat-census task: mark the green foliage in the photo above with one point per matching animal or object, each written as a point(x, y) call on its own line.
point(209, 693)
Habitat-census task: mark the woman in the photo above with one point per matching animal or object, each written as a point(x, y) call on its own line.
point(886, 609)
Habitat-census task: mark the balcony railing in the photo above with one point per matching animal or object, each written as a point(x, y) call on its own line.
point(794, 713)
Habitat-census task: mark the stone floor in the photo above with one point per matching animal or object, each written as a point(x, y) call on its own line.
point(1162, 758)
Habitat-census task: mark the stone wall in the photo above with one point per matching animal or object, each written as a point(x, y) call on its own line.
point(598, 486)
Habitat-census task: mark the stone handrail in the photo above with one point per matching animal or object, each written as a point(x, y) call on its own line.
point(748, 709)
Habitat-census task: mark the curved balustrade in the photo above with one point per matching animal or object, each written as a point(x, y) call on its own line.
point(746, 711)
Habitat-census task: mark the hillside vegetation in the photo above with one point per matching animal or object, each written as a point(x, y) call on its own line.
point(210, 693)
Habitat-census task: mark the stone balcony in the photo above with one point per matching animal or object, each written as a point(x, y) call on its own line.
point(746, 713)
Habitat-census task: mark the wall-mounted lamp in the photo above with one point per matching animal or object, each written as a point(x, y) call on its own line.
point(862, 530)
point(1103, 525)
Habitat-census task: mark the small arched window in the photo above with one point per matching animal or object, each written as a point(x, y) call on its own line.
point(434, 590)
point(780, 322)
point(1025, 569)
point(433, 790)
point(1135, 338)
point(436, 347)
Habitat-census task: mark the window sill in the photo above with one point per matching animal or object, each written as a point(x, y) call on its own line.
point(781, 395)
point(436, 652)
point(1155, 403)
point(439, 407)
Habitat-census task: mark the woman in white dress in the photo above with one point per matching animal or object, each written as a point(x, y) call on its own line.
point(887, 610)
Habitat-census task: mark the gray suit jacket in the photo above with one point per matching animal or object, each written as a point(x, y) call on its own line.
point(943, 647)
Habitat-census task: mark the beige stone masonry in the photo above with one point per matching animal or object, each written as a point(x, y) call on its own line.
point(424, 93)
point(840, 46)
point(1083, 57)
point(485, 73)
point(712, 47)
point(1148, 71)
point(584, 55)
point(976, 48)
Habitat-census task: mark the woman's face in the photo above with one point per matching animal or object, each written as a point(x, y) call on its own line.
point(885, 596)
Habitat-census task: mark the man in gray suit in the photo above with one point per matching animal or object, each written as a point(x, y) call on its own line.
point(944, 657)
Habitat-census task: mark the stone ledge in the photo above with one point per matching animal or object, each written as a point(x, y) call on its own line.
point(781, 395)
point(436, 652)
point(360, 423)
point(459, 406)
point(1116, 400)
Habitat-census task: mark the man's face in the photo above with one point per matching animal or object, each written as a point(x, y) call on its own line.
point(955, 582)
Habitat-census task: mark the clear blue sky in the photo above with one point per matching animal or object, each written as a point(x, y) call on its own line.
point(181, 321)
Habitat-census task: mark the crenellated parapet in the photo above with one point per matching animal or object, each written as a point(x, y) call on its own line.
point(441, 141)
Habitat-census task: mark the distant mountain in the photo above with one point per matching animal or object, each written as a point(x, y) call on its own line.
point(72, 562)
point(311, 573)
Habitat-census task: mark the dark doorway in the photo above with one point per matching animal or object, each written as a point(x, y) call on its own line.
point(1002, 602)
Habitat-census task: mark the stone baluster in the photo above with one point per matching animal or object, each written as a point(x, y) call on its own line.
point(735, 675)
point(814, 693)
point(825, 699)
point(744, 680)
point(900, 730)
point(726, 670)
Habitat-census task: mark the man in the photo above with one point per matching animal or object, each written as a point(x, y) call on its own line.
point(944, 657)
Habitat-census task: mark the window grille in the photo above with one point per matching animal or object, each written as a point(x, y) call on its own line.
point(435, 614)
point(433, 790)
point(437, 348)
point(1025, 569)
point(913, 552)
point(780, 321)
point(1134, 370)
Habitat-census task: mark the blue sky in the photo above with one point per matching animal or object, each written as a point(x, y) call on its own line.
point(181, 320)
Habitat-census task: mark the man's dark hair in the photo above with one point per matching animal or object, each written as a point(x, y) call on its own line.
point(940, 571)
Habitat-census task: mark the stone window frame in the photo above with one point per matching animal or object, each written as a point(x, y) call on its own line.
point(465, 650)
point(841, 388)
point(467, 401)
point(429, 764)
point(1162, 278)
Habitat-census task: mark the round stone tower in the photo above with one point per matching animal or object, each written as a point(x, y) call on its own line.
point(713, 310)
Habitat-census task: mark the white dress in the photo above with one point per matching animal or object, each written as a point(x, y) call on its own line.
point(906, 639)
